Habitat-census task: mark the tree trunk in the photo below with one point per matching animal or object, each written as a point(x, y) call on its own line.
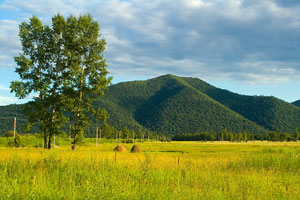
point(49, 142)
point(45, 141)
point(78, 109)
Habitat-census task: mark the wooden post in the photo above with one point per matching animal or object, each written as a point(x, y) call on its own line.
point(97, 136)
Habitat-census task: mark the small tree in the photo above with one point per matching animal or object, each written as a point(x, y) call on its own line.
point(125, 134)
point(17, 140)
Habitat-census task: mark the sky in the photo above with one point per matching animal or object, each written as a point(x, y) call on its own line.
point(251, 47)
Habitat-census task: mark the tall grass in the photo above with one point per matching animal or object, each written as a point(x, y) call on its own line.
point(183, 170)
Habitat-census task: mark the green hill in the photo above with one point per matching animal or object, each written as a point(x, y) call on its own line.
point(269, 112)
point(168, 104)
point(296, 103)
point(173, 105)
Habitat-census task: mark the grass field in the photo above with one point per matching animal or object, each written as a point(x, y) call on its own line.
point(176, 170)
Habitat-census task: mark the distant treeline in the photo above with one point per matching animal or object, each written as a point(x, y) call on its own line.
point(237, 137)
point(110, 132)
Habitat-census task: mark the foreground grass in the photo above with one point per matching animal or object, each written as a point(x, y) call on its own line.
point(182, 170)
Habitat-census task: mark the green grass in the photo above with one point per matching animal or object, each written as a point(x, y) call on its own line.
point(176, 170)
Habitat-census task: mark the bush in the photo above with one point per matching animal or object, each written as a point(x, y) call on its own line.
point(17, 140)
point(9, 134)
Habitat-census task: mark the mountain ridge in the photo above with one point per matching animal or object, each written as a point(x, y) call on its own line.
point(296, 103)
point(173, 105)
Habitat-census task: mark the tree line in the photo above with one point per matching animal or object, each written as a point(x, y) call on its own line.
point(63, 67)
point(238, 137)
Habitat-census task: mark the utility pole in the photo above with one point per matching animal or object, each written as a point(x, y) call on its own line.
point(97, 136)
point(15, 122)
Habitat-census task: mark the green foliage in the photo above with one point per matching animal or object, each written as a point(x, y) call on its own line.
point(40, 67)
point(169, 105)
point(174, 105)
point(17, 140)
point(238, 137)
point(296, 103)
point(9, 134)
point(269, 112)
point(64, 64)
point(7, 114)
point(87, 74)
point(108, 131)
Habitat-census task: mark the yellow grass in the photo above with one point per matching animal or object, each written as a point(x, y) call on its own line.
point(176, 170)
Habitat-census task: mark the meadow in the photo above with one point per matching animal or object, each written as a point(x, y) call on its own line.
point(175, 170)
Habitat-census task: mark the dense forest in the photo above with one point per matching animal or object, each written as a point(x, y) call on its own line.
point(297, 103)
point(174, 105)
point(237, 137)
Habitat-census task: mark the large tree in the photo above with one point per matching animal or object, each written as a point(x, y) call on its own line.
point(64, 65)
point(32, 66)
point(87, 73)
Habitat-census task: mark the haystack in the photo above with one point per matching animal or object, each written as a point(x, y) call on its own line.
point(120, 148)
point(136, 149)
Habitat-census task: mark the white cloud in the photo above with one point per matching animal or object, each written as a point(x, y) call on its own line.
point(251, 40)
point(10, 45)
point(7, 100)
point(4, 88)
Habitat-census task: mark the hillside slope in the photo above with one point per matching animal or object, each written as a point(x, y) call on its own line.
point(296, 103)
point(168, 104)
point(269, 112)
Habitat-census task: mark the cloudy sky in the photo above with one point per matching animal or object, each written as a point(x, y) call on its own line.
point(246, 46)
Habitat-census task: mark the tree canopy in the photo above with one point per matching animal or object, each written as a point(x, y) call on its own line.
point(64, 65)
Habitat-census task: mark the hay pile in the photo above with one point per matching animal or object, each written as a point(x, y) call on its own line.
point(120, 148)
point(136, 149)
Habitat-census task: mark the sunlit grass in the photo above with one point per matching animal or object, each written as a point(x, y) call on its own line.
point(176, 170)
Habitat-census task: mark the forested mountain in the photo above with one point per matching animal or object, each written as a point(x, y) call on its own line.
point(296, 103)
point(168, 104)
point(173, 105)
point(269, 112)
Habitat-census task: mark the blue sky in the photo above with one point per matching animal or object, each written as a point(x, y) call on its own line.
point(246, 46)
